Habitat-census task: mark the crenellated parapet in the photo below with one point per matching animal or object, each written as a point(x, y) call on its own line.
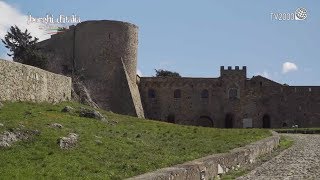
point(236, 71)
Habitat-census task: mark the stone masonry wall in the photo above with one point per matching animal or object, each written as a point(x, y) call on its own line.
point(260, 102)
point(189, 107)
point(19, 82)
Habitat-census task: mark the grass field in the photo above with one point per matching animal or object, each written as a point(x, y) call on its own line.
point(130, 147)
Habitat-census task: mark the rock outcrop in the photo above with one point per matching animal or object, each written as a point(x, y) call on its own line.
point(7, 138)
point(88, 113)
point(68, 142)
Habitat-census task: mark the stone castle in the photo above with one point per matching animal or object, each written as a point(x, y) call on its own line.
point(103, 54)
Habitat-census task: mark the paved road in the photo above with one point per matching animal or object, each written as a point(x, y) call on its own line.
point(301, 161)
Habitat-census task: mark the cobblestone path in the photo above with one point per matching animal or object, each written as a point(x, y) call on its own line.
point(301, 161)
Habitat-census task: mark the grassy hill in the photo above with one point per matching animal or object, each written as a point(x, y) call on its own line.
point(123, 147)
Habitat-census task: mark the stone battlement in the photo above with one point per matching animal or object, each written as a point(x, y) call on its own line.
point(233, 71)
point(236, 68)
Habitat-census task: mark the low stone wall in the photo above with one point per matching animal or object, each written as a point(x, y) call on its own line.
point(213, 165)
point(19, 82)
point(299, 131)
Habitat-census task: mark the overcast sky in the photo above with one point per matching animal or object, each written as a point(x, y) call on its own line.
point(195, 38)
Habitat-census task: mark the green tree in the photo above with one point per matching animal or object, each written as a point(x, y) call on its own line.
point(23, 47)
point(166, 73)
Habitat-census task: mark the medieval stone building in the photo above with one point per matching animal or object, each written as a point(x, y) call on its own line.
point(231, 100)
point(105, 54)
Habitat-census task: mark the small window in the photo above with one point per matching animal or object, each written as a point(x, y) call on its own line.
point(177, 93)
point(152, 93)
point(260, 84)
point(233, 93)
point(205, 93)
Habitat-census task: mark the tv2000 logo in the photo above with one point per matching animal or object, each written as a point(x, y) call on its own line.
point(299, 14)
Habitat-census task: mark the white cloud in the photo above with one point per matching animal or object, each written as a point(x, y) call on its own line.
point(289, 67)
point(139, 72)
point(10, 16)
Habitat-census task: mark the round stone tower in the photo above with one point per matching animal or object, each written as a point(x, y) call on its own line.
point(106, 56)
point(99, 45)
point(103, 55)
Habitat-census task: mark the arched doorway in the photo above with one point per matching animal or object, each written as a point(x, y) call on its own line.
point(205, 121)
point(171, 118)
point(284, 124)
point(266, 122)
point(229, 120)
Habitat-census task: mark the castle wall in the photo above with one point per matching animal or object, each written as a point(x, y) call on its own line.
point(19, 82)
point(292, 105)
point(260, 102)
point(59, 49)
point(191, 108)
point(97, 52)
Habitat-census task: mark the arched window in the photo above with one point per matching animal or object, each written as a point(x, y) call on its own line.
point(151, 93)
point(233, 93)
point(177, 93)
point(205, 93)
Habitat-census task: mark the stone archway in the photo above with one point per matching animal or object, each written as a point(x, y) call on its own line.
point(229, 120)
point(205, 121)
point(266, 121)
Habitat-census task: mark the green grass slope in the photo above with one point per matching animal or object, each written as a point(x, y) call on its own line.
point(104, 151)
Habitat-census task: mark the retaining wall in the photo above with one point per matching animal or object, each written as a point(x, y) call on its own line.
point(213, 165)
point(19, 82)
